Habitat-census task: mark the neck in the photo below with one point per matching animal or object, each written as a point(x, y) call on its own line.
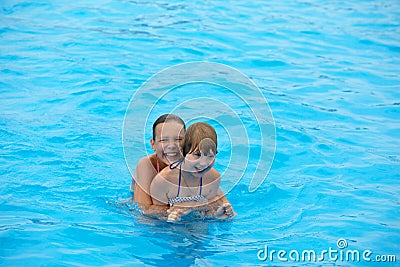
point(188, 176)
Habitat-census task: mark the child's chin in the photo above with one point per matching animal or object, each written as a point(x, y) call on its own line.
point(203, 171)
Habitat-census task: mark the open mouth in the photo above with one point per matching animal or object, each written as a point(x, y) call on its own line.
point(171, 157)
point(171, 154)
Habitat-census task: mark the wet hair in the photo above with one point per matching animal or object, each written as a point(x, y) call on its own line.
point(165, 118)
point(200, 136)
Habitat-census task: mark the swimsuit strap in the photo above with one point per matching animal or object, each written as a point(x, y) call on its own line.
point(179, 199)
point(176, 163)
point(179, 163)
point(179, 181)
point(201, 184)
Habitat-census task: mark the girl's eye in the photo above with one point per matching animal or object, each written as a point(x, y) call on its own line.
point(197, 155)
point(163, 140)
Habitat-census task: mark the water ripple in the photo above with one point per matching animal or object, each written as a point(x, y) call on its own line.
point(68, 69)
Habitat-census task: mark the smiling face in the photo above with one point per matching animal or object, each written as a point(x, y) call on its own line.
point(199, 148)
point(168, 138)
point(199, 162)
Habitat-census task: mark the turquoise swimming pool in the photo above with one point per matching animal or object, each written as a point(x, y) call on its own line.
point(328, 69)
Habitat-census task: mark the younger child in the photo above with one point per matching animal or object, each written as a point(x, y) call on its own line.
point(191, 183)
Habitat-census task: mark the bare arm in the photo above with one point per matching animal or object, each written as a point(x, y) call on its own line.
point(144, 175)
point(219, 199)
point(159, 190)
point(221, 207)
point(211, 184)
point(217, 208)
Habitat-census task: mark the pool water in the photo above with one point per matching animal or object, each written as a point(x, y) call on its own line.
point(330, 73)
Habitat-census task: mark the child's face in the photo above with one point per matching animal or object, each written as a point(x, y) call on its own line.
point(198, 163)
point(168, 137)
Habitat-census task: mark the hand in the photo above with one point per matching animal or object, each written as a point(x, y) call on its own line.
point(225, 211)
point(175, 213)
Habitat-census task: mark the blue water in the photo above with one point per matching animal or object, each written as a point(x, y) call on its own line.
point(329, 70)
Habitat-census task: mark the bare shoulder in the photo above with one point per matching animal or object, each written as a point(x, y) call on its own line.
point(145, 166)
point(162, 183)
point(145, 171)
point(211, 176)
point(169, 175)
point(144, 163)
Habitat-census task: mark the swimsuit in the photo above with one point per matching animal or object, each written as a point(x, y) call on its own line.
point(179, 199)
point(157, 163)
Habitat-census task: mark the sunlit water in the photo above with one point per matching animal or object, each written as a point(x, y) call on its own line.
point(329, 70)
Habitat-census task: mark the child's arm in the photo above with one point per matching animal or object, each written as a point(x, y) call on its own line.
point(217, 208)
point(159, 189)
point(211, 185)
point(220, 206)
point(144, 175)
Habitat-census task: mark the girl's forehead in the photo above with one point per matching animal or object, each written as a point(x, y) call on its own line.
point(170, 127)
